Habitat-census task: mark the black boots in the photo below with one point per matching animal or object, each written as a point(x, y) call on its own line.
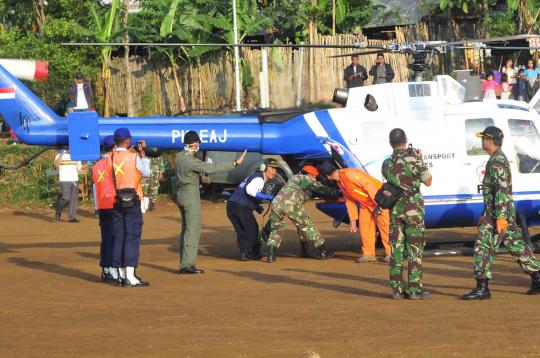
point(481, 292)
point(271, 253)
point(325, 254)
point(305, 250)
point(535, 285)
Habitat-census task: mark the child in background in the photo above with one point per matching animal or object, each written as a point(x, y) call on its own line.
point(521, 85)
point(490, 87)
point(506, 88)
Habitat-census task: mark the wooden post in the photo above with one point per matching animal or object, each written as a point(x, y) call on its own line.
point(129, 87)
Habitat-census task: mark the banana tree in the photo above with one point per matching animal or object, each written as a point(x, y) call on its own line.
point(106, 28)
point(528, 12)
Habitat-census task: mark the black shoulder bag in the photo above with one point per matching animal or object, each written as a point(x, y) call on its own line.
point(125, 198)
point(388, 195)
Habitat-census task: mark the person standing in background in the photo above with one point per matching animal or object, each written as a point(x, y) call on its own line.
point(81, 95)
point(68, 171)
point(354, 74)
point(382, 72)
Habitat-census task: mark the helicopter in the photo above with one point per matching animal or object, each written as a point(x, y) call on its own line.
point(434, 114)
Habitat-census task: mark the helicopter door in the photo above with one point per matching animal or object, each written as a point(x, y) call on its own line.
point(475, 159)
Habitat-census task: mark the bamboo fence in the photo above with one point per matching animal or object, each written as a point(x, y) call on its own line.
point(296, 77)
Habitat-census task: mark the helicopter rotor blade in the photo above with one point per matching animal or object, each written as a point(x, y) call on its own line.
point(171, 44)
point(494, 39)
point(359, 53)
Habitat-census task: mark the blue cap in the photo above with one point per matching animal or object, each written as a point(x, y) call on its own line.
point(108, 141)
point(122, 134)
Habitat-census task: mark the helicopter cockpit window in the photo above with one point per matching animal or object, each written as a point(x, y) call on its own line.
point(526, 144)
point(419, 90)
point(472, 126)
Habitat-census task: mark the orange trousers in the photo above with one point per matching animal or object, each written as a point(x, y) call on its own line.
point(368, 219)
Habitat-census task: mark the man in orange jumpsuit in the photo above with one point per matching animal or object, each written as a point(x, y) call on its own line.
point(359, 189)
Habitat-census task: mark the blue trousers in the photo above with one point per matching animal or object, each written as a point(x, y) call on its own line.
point(127, 225)
point(106, 217)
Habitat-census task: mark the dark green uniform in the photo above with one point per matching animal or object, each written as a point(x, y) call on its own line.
point(289, 202)
point(406, 170)
point(498, 204)
point(188, 170)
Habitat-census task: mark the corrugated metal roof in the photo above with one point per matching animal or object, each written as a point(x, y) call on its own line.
point(396, 12)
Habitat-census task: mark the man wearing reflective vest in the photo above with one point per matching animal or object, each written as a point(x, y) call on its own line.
point(128, 167)
point(359, 189)
point(105, 196)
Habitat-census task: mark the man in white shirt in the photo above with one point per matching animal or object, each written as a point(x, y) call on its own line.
point(81, 94)
point(247, 197)
point(69, 184)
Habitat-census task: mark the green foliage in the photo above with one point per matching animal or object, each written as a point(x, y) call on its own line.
point(500, 24)
point(30, 184)
point(464, 5)
point(148, 103)
point(291, 18)
point(19, 39)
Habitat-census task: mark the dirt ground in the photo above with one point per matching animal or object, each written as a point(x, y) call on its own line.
point(53, 304)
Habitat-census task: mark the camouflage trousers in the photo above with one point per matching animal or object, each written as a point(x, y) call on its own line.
point(302, 221)
point(406, 236)
point(489, 241)
point(150, 187)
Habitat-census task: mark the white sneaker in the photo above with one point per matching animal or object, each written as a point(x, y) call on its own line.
point(366, 258)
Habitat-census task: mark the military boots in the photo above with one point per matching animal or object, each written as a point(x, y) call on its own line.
point(325, 254)
point(535, 285)
point(271, 254)
point(481, 292)
point(305, 250)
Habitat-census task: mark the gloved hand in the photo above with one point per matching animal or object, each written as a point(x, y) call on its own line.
point(502, 225)
point(259, 209)
point(263, 196)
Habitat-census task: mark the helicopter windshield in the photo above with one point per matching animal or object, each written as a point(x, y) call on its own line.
point(526, 144)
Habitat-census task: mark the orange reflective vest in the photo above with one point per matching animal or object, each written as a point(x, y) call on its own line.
point(358, 187)
point(105, 194)
point(126, 172)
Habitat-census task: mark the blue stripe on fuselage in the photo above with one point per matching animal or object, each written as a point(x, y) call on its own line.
point(328, 124)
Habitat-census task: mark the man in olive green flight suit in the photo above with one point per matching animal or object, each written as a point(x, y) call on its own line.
point(188, 170)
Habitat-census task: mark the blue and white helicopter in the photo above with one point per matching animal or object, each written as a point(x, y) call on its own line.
point(433, 113)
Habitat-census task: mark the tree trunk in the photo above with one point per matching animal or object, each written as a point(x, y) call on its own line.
point(201, 94)
point(129, 87)
point(41, 17)
point(312, 26)
point(181, 103)
point(107, 82)
point(192, 86)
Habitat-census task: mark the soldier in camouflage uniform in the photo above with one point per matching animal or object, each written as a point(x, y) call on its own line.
point(405, 169)
point(150, 184)
point(498, 224)
point(289, 202)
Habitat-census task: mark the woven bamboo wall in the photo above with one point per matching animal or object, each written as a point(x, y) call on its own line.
point(210, 85)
